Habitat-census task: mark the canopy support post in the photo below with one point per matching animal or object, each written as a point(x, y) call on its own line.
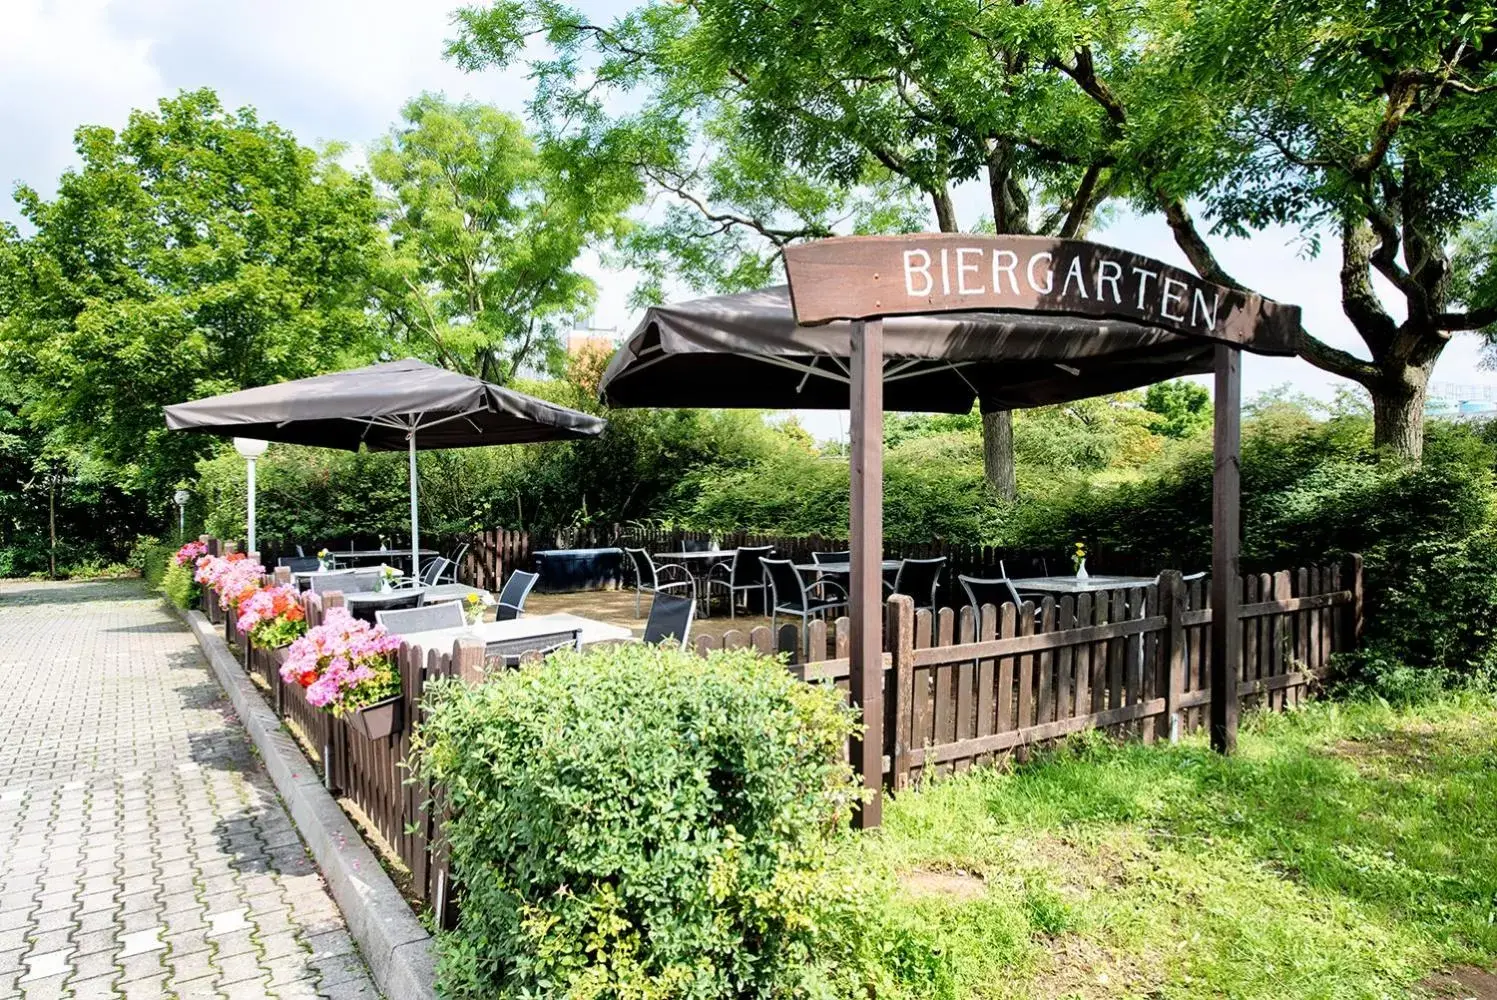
point(415, 540)
point(866, 542)
point(1226, 538)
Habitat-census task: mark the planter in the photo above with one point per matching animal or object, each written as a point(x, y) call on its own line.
point(378, 721)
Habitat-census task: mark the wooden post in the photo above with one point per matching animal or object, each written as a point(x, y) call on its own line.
point(467, 660)
point(866, 535)
point(1226, 526)
point(1172, 653)
point(282, 575)
point(901, 699)
point(1354, 611)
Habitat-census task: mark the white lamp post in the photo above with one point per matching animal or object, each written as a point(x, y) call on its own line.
point(180, 498)
point(251, 449)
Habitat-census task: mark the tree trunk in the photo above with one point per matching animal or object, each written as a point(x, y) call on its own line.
point(998, 453)
point(1398, 413)
point(52, 524)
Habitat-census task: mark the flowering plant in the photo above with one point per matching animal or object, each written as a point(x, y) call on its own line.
point(344, 664)
point(272, 617)
point(473, 608)
point(387, 576)
point(1078, 556)
point(232, 577)
point(189, 554)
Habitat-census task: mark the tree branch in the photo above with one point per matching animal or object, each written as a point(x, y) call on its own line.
point(1193, 244)
point(1358, 298)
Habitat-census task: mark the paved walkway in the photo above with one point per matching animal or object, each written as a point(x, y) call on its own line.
point(143, 850)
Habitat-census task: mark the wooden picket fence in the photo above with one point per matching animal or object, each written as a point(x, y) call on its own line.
point(960, 688)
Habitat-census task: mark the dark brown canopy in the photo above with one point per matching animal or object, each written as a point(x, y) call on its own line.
point(380, 406)
point(747, 350)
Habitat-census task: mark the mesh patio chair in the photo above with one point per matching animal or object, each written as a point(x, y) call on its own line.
point(508, 653)
point(370, 605)
point(981, 592)
point(831, 557)
point(511, 602)
point(406, 621)
point(652, 579)
point(348, 582)
point(670, 620)
point(298, 564)
point(432, 572)
point(455, 565)
point(741, 576)
point(918, 579)
point(792, 596)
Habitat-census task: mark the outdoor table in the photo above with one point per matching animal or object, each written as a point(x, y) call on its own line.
point(354, 555)
point(844, 569)
point(519, 628)
point(1081, 585)
point(705, 559)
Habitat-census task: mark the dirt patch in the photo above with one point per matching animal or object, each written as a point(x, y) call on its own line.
point(955, 885)
point(1464, 982)
point(1078, 969)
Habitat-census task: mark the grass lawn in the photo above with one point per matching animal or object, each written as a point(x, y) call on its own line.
point(1346, 851)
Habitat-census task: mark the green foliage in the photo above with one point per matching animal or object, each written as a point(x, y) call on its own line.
point(641, 822)
point(178, 585)
point(486, 234)
point(1184, 408)
point(195, 251)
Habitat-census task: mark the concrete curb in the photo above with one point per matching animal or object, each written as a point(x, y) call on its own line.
point(396, 947)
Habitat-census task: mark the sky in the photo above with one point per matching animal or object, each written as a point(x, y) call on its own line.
point(339, 70)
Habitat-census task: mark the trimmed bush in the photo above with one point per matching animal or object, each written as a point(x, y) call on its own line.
point(640, 822)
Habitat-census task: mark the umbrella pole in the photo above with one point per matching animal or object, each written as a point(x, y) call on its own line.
point(415, 540)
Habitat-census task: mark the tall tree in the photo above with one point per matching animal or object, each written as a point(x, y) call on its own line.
point(486, 236)
point(195, 251)
point(929, 95)
point(1371, 126)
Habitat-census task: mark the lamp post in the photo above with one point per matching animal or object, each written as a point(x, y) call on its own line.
point(251, 449)
point(180, 498)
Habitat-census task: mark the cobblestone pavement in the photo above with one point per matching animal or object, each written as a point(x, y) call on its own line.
point(143, 850)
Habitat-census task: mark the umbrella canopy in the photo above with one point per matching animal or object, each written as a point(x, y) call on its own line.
point(396, 406)
point(379, 406)
point(747, 350)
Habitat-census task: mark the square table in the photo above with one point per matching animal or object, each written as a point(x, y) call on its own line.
point(518, 628)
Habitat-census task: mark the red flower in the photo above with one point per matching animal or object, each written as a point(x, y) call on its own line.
point(307, 677)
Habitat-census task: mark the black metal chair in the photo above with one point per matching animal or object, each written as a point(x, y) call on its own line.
point(740, 576)
point(511, 602)
point(507, 653)
point(405, 621)
point(981, 592)
point(298, 564)
point(918, 579)
point(648, 578)
point(670, 619)
point(695, 545)
point(791, 595)
point(831, 557)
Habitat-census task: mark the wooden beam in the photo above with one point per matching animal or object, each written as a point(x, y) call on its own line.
point(866, 536)
point(1226, 527)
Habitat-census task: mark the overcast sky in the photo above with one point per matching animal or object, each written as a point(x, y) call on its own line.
point(340, 70)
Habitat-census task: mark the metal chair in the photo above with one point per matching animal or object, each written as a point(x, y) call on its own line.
point(298, 564)
point(670, 619)
point(347, 581)
point(648, 577)
point(368, 607)
point(742, 575)
point(509, 653)
point(454, 565)
point(511, 602)
point(405, 621)
point(918, 579)
point(790, 595)
point(831, 557)
point(981, 592)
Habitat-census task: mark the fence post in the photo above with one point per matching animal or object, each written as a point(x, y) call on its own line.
point(467, 660)
point(899, 703)
point(332, 771)
point(282, 575)
point(1172, 607)
point(1354, 620)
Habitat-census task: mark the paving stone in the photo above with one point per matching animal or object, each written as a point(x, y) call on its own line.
point(132, 808)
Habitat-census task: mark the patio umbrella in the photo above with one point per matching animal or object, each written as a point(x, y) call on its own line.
point(747, 350)
point(395, 406)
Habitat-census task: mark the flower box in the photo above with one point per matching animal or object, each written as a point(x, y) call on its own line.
point(378, 721)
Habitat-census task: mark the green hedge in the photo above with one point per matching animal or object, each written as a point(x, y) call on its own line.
point(640, 822)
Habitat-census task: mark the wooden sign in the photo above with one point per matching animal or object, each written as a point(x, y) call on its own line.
point(861, 277)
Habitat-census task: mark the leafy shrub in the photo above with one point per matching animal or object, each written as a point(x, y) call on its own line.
point(178, 585)
point(640, 822)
